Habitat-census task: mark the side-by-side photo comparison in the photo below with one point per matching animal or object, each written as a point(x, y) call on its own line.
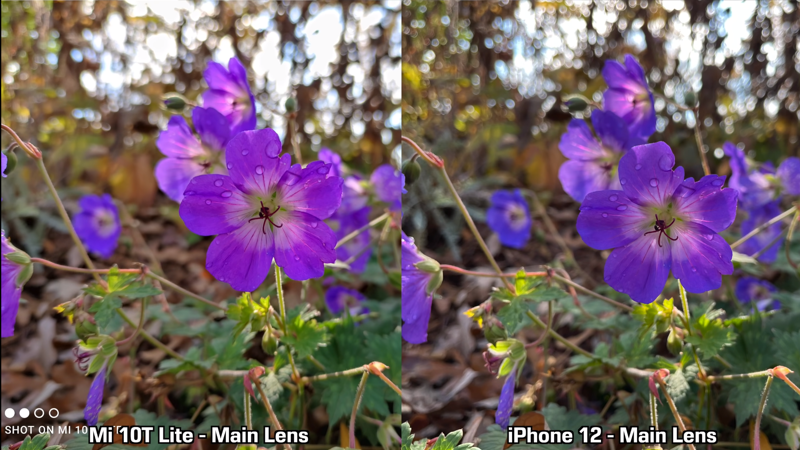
point(400, 225)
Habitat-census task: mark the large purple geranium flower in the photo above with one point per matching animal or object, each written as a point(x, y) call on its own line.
point(658, 222)
point(760, 186)
point(97, 224)
point(592, 164)
point(12, 283)
point(339, 298)
point(508, 216)
point(229, 93)
point(757, 217)
point(187, 156)
point(388, 183)
point(629, 97)
point(420, 276)
point(265, 208)
point(758, 292)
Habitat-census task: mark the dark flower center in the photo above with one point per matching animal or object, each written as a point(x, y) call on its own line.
point(265, 214)
point(661, 227)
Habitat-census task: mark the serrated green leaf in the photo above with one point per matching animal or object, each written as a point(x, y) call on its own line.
point(514, 315)
point(713, 335)
point(449, 442)
point(105, 310)
point(304, 336)
point(656, 314)
point(678, 381)
point(38, 442)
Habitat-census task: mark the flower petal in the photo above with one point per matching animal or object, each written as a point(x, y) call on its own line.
point(699, 257)
point(646, 175)
point(212, 127)
point(330, 157)
point(640, 269)
point(10, 291)
point(416, 301)
point(212, 204)
point(611, 129)
point(94, 401)
point(310, 190)
point(757, 217)
point(303, 244)
point(513, 231)
point(243, 257)
point(177, 141)
point(579, 143)
point(174, 174)
point(506, 404)
point(789, 174)
point(359, 245)
point(579, 178)
point(254, 163)
point(706, 202)
point(609, 219)
point(388, 183)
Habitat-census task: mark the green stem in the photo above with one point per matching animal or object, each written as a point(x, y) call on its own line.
point(183, 291)
point(268, 406)
point(328, 376)
point(673, 408)
point(789, 236)
point(763, 227)
point(558, 337)
point(149, 338)
point(653, 412)
point(699, 138)
point(65, 217)
point(761, 406)
point(248, 411)
point(763, 373)
point(366, 227)
point(282, 306)
point(138, 327)
point(687, 317)
point(362, 386)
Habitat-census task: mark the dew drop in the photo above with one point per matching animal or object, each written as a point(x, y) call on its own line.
point(585, 208)
point(694, 269)
point(296, 258)
point(653, 182)
point(230, 166)
point(226, 194)
point(188, 193)
point(245, 152)
point(622, 181)
point(613, 197)
point(291, 178)
point(638, 167)
point(323, 170)
point(666, 163)
point(260, 170)
point(709, 237)
point(621, 208)
point(717, 182)
point(314, 224)
point(208, 202)
point(605, 214)
point(218, 183)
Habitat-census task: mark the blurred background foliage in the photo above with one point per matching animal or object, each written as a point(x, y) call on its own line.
point(84, 82)
point(483, 83)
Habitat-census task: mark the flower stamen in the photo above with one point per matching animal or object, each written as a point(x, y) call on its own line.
point(265, 214)
point(661, 228)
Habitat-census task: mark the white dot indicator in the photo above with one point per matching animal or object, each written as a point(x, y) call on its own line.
point(9, 412)
point(24, 413)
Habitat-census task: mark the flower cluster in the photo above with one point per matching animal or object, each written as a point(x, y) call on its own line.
point(627, 119)
point(660, 222)
point(760, 191)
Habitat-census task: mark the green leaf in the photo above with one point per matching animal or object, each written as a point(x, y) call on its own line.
point(408, 439)
point(658, 315)
point(105, 310)
point(138, 290)
point(678, 381)
point(304, 335)
point(514, 315)
point(450, 442)
point(744, 259)
point(37, 443)
point(248, 314)
point(713, 334)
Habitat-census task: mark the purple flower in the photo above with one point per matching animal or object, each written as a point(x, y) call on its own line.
point(508, 216)
point(757, 217)
point(506, 404)
point(388, 183)
point(94, 401)
point(3, 164)
point(187, 156)
point(593, 163)
point(658, 222)
point(344, 223)
point(759, 186)
point(789, 175)
point(15, 272)
point(229, 93)
point(339, 298)
point(265, 208)
point(420, 276)
point(629, 97)
point(330, 157)
point(753, 290)
point(97, 224)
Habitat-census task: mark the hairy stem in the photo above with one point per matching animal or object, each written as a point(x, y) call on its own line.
point(761, 406)
point(699, 137)
point(362, 386)
point(686, 314)
point(653, 412)
point(268, 406)
point(366, 227)
point(282, 305)
point(763, 227)
point(138, 327)
point(558, 337)
point(152, 340)
point(673, 408)
point(789, 236)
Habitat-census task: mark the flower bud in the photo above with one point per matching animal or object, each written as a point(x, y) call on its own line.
point(674, 342)
point(494, 333)
point(84, 328)
point(175, 103)
point(435, 282)
point(412, 170)
point(291, 105)
point(18, 257)
point(428, 265)
point(25, 275)
point(793, 434)
point(268, 342)
point(576, 102)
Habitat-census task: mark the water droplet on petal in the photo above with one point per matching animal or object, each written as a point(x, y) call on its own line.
point(208, 202)
point(260, 170)
point(694, 269)
point(621, 208)
point(605, 214)
point(314, 224)
point(585, 208)
point(709, 237)
point(323, 170)
point(666, 163)
point(217, 183)
point(622, 181)
point(291, 178)
point(653, 182)
point(296, 258)
point(230, 166)
point(717, 182)
point(226, 194)
point(613, 197)
point(188, 193)
point(245, 152)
